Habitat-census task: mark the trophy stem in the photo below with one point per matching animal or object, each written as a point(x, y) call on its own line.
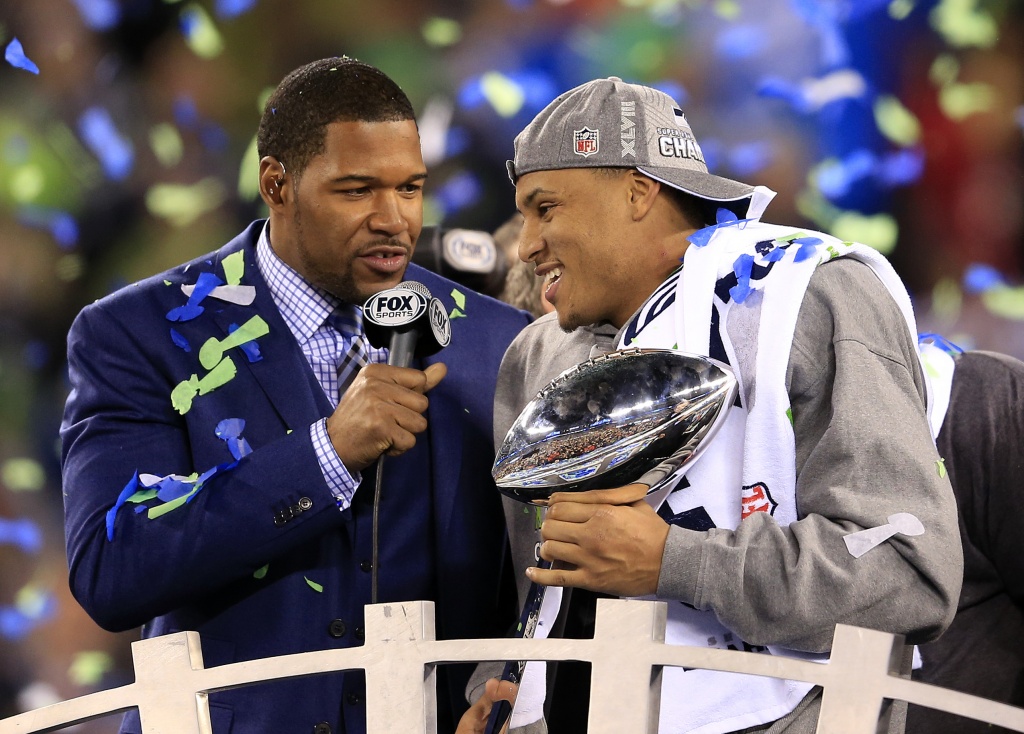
point(501, 712)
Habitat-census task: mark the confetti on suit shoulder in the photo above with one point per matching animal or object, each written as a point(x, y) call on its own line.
point(318, 588)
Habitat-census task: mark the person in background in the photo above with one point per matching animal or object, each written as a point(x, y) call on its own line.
point(226, 418)
point(757, 547)
point(980, 444)
point(522, 288)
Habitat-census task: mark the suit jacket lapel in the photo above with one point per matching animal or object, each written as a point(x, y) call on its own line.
point(283, 372)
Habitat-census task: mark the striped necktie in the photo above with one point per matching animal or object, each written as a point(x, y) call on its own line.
point(353, 351)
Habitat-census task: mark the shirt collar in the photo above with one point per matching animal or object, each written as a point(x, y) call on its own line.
point(303, 306)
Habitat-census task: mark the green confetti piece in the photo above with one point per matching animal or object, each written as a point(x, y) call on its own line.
point(879, 231)
point(440, 32)
point(261, 572)
point(160, 510)
point(318, 588)
point(959, 101)
point(727, 9)
point(31, 600)
point(213, 350)
point(182, 204)
point(89, 666)
point(895, 121)
point(23, 475)
point(1005, 301)
point(962, 24)
point(941, 466)
point(167, 282)
point(459, 297)
point(234, 267)
point(166, 143)
point(789, 415)
point(249, 173)
point(504, 94)
point(202, 35)
point(186, 391)
point(944, 70)
point(947, 300)
point(900, 9)
point(142, 496)
point(456, 314)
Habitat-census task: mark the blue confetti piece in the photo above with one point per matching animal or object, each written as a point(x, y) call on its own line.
point(940, 341)
point(180, 341)
point(743, 267)
point(185, 113)
point(750, 158)
point(739, 42)
point(250, 349)
point(23, 533)
point(128, 491)
point(230, 431)
point(99, 15)
point(725, 217)
point(775, 255)
point(776, 88)
point(209, 474)
point(205, 284)
point(170, 488)
point(214, 138)
point(979, 278)
point(458, 192)
point(457, 141)
point(902, 167)
point(808, 248)
point(16, 57)
point(15, 624)
point(233, 8)
point(701, 237)
point(60, 224)
point(471, 94)
point(100, 135)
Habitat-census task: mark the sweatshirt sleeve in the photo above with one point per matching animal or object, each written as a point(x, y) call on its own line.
point(863, 452)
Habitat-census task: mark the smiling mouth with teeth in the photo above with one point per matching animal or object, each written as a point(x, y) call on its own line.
point(552, 276)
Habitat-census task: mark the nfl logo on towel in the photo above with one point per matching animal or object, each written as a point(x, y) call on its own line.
point(585, 142)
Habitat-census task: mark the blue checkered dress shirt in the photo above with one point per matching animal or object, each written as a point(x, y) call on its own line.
point(327, 330)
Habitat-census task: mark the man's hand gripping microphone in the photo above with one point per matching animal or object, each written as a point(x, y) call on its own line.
point(410, 323)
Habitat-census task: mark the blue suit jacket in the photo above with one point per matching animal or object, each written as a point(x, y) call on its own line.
point(193, 568)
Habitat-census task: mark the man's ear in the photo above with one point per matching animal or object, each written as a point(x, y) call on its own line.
point(643, 193)
point(273, 179)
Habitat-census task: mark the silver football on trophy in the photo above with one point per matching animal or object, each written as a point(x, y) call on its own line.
point(610, 420)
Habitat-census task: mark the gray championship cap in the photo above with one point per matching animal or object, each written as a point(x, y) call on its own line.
point(610, 123)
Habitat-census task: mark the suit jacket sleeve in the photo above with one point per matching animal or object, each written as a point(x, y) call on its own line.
point(118, 421)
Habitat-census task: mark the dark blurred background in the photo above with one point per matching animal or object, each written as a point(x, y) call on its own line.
point(127, 146)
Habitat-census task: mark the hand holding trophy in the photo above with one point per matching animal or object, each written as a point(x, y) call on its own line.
point(627, 416)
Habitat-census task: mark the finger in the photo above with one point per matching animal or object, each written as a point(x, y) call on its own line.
point(434, 374)
point(563, 555)
point(501, 690)
point(407, 377)
point(570, 512)
point(553, 576)
point(615, 496)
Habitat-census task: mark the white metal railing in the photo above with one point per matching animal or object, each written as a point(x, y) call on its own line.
point(400, 655)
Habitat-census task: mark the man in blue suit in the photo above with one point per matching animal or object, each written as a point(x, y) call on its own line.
point(221, 435)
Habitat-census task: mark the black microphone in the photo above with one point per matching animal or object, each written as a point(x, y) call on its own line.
point(411, 323)
point(408, 321)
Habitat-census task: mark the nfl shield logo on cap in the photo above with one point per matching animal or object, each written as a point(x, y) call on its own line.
point(585, 142)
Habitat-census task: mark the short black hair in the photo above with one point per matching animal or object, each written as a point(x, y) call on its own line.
point(339, 89)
